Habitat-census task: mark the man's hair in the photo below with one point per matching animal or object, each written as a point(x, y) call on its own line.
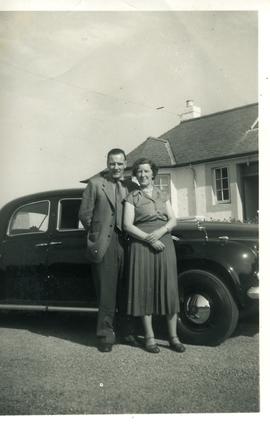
point(116, 151)
point(140, 161)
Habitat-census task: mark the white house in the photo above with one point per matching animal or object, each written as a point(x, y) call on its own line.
point(208, 164)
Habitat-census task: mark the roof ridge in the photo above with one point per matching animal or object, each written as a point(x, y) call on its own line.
point(224, 111)
point(209, 115)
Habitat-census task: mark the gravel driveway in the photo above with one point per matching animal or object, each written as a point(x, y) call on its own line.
point(49, 365)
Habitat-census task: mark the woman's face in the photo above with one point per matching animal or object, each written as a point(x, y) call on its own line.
point(144, 175)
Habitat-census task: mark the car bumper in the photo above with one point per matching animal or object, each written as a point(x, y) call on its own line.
point(253, 292)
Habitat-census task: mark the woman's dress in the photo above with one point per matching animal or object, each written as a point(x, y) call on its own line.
point(152, 275)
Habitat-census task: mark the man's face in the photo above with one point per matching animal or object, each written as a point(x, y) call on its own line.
point(116, 165)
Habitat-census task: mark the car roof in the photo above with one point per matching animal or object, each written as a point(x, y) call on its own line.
point(67, 192)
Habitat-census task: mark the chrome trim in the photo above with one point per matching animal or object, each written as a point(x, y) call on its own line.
point(71, 309)
point(197, 308)
point(253, 292)
point(23, 307)
point(70, 230)
point(45, 308)
point(204, 230)
point(42, 245)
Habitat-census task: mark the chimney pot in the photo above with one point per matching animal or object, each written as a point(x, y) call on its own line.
point(189, 103)
point(191, 111)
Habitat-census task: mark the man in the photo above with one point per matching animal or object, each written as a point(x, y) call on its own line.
point(101, 214)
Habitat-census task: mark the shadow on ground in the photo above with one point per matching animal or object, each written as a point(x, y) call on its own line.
point(77, 328)
point(80, 327)
point(247, 327)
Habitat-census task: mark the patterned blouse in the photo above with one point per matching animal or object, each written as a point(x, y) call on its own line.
point(148, 208)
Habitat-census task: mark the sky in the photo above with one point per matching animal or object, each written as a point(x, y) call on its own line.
point(76, 84)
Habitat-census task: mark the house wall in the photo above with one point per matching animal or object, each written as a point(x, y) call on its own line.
point(227, 210)
point(233, 210)
point(183, 196)
point(192, 190)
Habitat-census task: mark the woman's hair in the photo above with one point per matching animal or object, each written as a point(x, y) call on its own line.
point(140, 161)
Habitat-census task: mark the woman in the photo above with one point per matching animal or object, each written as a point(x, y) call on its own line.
point(152, 277)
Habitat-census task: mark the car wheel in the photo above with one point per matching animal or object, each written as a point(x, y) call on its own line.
point(208, 313)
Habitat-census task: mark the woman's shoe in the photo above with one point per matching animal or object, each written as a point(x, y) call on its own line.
point(176, 345)
point(151, 346)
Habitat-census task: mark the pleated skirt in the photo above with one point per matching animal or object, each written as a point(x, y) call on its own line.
point(152, 276)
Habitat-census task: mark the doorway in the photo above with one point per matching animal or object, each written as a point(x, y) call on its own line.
point(250, 191)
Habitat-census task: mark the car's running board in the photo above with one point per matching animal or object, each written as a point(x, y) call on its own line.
point(46, 308)
point(23, 307)
point(71, 309)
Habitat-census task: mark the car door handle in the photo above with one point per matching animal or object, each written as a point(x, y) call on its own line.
point(55, 243)
point(41, 245)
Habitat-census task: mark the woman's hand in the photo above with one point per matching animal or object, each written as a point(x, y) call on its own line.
point(155, 235)
point(158, 245)
point(151, 238)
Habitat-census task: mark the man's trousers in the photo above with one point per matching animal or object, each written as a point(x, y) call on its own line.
point(109, 279)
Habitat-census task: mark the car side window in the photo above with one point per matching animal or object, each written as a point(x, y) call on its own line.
point(30, 218)
point(68, 211)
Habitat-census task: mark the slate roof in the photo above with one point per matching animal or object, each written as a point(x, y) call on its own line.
point(153, 148)
point(223, 134)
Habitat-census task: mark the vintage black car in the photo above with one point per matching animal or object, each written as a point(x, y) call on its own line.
point(43, 265)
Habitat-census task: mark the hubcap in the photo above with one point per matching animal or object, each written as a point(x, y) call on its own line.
point(197, 308)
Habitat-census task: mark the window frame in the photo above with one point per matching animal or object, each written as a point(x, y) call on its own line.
point(169, 183)
point(31, 232)
point(59, 211)
point(215, 179)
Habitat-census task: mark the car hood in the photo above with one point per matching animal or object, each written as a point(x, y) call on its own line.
point(233, 231)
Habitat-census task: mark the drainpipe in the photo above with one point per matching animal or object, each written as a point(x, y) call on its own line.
point(194, 189)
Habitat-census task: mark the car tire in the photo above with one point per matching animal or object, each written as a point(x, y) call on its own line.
point(208, 313)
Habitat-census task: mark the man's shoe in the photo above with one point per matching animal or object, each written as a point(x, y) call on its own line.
point(130, 340)
point(104, 347)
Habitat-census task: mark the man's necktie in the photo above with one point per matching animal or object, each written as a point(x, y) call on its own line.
point(118, 205)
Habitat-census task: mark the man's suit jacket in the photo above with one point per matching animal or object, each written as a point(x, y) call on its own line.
point(97, 213)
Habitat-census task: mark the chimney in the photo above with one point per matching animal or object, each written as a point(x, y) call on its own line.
point(191, 111)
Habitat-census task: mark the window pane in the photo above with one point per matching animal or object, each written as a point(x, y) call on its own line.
point(218, 185)
point(218, 174)
point(68, 217)
point(30, 218)
point(226, 194)
point(219, 195)
point(224, 172)
point(222, 184)
point(162, 182)
point(225, 183)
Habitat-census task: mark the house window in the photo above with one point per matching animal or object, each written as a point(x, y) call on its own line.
point(222, 184)
point(163, 182)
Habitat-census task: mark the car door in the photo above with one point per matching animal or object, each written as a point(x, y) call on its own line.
point(69, 271)
point(24, 255)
